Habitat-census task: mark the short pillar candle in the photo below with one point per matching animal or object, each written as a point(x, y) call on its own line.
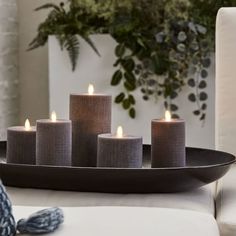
point(168, 142)
point(90, 115)
point(53, 142)
point(119, 151)
point(21, 143)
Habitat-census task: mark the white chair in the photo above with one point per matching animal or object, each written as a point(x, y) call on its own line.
point(226, 115)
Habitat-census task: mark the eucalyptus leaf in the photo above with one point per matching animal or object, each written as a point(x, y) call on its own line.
point(117, 77)
point(202, 84)
point(204, 74)
point(192, 97)
point(126, 104)
point(203, 96)
point(132, 113)
point(119, 98)
point(191, 83)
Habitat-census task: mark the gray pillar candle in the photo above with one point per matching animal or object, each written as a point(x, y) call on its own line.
point(90, 115)
point(119, 151)
point(53, 142)
point(21, 143)
point(168, 143)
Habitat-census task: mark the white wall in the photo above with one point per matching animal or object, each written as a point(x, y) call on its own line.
point(8, 66)
point(33, 72)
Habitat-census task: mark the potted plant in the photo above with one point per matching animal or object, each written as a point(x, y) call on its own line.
point(163, 45)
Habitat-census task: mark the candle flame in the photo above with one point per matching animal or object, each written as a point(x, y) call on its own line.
point(119, 132)
point(27, 125)
point(54, 116)
point(167, 116)
point(90, 89)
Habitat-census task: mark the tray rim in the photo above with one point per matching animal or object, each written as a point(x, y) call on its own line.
point(137, 169)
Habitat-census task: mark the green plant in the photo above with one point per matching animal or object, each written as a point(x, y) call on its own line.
point(162, 45)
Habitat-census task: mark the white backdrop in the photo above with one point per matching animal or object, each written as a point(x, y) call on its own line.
point(8, 66)
point(98, 70)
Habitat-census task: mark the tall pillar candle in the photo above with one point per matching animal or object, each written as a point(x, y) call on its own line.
point(168, 142)
point(90, 115)
point(53, 142)
point(21, 143)
point(119, 151)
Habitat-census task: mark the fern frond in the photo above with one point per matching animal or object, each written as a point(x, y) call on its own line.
point(47, 6)
point(72, 47)
point(91, 43)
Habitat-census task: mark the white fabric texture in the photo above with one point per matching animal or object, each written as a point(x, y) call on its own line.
point(226, 80)
point(226, 204)
point(117, 221)
point(201, 200)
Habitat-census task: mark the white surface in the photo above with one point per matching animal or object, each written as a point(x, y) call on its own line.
point(226, 204)
point(226, 80)
point(107, 221)
point(98, 70)
point(200, 200)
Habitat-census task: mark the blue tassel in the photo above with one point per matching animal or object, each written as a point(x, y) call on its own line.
point(41, 222)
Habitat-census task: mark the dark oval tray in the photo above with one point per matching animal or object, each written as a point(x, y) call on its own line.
point(203, 167)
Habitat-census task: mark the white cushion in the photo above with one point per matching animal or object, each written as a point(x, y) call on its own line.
point(201, 200)
point(125, 221)
point(226, 80)
point(226, 204)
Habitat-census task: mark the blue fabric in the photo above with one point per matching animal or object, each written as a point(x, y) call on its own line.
point(41, 222)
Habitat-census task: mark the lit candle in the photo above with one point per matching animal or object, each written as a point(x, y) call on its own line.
point(90, 115)
point(119, 150)
point(168, 142)
point(21, 144)
point(53, 142)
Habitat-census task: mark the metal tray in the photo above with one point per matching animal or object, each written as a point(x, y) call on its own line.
point(203, 167)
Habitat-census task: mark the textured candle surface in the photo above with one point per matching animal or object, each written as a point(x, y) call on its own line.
point(168, 143)
point(53, 143)
point(21, 145)
point(125, 152)
point(90, 116)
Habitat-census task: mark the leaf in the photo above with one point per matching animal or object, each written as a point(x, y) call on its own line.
point(132, 113)
point(91, 43)
point(203, 96)
point(130, 77)
point(126, 104)
point(192, 97)
point(203, 116)
point(72, 47)
point(191, 82)
point(204, 106)
point(202, 84)
point(173, 107)
point(196, 113)
point(47, 6)
point(204, 74)
point(116, 78)
point(129, 86)
point(173, 95)
point(128, 65)
point(119, 98)
point(132, 99)
point(206, 62)
point(120, 50)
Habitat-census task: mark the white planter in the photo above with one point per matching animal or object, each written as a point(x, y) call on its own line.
point(99, 70)
point(8, 66)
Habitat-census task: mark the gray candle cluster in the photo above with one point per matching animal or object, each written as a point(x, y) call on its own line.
point(86, 139)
